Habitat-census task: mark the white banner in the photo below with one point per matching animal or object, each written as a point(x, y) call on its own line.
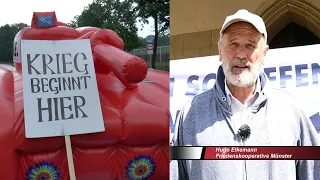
point(296, 70)
point(59, 88)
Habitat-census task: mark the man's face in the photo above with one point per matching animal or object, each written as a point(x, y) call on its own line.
point(241, 51)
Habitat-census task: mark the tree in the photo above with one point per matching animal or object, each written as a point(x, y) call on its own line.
point(7, 34)
point(162, 40)
point(116, 15)
point(159, 11)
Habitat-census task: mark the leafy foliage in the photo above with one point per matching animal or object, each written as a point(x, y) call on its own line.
point(116, 15)
point(159, 11)
point(7, 34)
point(162, 40)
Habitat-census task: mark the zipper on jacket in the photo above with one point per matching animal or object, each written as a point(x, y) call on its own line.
point(247, 120)
point(245, 165)
point(250, 116)
point(243, 162)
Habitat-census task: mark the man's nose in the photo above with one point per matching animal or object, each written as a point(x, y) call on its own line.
point(241, 53)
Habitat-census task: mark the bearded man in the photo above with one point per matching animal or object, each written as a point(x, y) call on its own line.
point(242, 109)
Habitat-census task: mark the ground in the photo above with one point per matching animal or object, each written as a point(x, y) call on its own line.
point(160, 65)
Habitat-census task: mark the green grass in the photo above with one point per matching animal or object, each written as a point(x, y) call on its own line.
point(160, 65)
point(9, 63)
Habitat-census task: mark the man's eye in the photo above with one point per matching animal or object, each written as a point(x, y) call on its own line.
point(251, 46)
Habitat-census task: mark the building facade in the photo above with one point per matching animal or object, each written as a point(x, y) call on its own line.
point(195, 25)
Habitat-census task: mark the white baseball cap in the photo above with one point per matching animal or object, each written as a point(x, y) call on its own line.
point(245, 16)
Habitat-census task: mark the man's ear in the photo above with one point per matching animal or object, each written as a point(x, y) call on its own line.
point(265, 50)
point(219, 50)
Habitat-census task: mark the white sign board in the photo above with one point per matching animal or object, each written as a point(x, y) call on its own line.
point(150, 48)
point(59, 88)
point(296, 70)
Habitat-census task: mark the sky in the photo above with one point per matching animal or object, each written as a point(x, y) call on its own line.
point(16, 11)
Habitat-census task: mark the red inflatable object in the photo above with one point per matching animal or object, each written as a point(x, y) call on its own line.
point(135, 111)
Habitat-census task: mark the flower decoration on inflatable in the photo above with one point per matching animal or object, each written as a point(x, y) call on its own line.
point(43, 171)
point(141, 168)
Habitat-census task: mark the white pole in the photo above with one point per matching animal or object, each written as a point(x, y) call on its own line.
point(72, 173)
point(70, 157)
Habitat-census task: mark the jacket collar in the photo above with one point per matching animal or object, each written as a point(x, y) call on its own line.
point(221, 95)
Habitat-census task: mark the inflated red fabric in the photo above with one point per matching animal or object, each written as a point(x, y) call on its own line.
point(135, 107)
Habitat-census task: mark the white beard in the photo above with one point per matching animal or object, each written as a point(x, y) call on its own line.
point(246, 78)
